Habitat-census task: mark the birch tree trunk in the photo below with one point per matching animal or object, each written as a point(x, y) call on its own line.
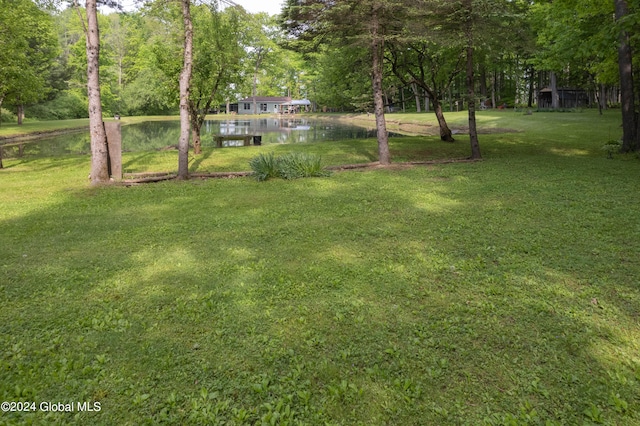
point(99, 151)
point(185, 79)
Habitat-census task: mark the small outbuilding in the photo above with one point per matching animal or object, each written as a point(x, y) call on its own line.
point(567, 98)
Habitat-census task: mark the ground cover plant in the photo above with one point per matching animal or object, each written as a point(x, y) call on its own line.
point(293, 165)
point(498, 292)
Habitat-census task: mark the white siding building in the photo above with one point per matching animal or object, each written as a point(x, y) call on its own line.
point(263, 105)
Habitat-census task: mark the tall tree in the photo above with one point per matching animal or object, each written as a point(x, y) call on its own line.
point(433, 67)
point(185, 81)
point(377, 55)
point(625, 65)
point(366, 23)
point(216, 62)
point(28, 47)
point(471, 97)
point(99, 151)
point(260, 32)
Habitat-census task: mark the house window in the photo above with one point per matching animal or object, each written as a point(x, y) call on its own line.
point(263, 107)
point(247, 106)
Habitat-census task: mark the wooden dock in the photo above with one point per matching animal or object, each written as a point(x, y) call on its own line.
point(219, 138)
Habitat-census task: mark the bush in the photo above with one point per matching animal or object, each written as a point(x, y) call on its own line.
point(297, 165)
point(289, 166)
point(264, 166)
point(7, 116)
point(612, 147)
point(67, 105)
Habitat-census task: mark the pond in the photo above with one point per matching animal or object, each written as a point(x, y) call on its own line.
point(156, 135)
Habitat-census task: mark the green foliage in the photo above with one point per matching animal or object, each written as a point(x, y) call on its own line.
point(293, 165)
point(7, 116)
point(67, 105)
point(580, 40)
point(299, 164)
point(28, 48)
point(612, 147)
point(264, 166)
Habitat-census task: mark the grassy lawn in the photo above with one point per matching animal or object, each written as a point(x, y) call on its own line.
point(503, 292)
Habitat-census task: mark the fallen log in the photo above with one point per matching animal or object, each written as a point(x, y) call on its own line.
point(130, 182)
point(220, 174)
point(146, 174)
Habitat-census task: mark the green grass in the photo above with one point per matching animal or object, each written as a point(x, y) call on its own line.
point(499, 292)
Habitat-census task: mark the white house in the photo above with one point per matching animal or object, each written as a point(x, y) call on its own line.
point(263, 105)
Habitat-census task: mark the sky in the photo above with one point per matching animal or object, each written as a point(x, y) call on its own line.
point(272, 7)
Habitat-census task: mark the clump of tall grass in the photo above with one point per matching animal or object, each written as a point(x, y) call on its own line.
point(264, 166)
point(293, 165)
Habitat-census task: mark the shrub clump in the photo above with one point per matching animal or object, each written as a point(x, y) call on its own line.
point(264, 166)
point(289, 166)
point(612, 147)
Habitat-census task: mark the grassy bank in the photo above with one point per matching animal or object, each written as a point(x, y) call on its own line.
point(499, 292)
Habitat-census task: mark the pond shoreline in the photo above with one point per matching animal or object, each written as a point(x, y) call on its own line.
point(10, 140)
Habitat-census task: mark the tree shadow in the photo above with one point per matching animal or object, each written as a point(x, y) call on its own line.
point(373, 297)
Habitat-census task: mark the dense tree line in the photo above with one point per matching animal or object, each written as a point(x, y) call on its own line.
point(43, 56)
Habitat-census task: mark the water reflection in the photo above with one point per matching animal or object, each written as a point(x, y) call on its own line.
point(155, 135)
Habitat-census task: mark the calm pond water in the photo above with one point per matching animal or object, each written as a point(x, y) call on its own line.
point(155, 135)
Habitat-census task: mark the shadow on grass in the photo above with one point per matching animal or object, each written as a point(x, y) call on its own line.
point(460, 294)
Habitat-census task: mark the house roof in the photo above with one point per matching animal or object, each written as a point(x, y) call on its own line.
point(561, 89)
point(298, 102)
point(266, 99)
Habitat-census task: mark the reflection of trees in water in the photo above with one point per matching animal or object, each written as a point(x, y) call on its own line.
point(150, 135)
point(72, 143)
point(153, 135)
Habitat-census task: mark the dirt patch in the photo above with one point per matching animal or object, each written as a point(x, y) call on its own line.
point(399, 166)
point(417, 129)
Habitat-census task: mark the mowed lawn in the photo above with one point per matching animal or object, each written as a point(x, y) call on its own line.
point(501, 292)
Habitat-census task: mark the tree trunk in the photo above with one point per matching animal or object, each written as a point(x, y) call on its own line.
point(255, 80)
point(99, 150)
point(414, 87)
point(195, 138)
point(377, 51)
point(555, 100)
point(473, 133)
point(603, 97)
point(494, 103)
point(20, 114)
point(185, 81)
point(625, 68)
point(483, 82)
point(532, 78)
point(195, 132)
point(445, 132)
point(1, 100)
